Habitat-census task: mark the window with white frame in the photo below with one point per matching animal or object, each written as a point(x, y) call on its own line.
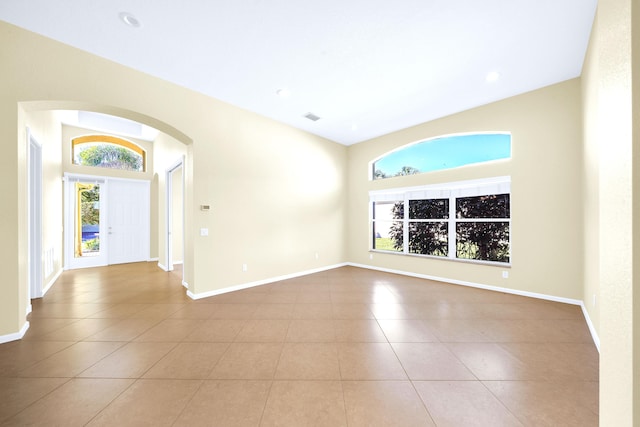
point(468, 220)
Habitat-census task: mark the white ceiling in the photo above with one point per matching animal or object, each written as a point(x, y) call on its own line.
point(366, 67)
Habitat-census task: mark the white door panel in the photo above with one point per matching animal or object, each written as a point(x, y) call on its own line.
point(128, 221)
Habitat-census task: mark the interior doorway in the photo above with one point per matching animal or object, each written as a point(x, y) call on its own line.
point(34, 209)
point(175, 215)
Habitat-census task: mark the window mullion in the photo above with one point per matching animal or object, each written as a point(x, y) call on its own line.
point(452, 227)
point(405, 227)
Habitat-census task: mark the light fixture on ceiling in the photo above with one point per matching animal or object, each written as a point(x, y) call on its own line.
point(492, 77)
point(354, 127)
point(312, 117)
point(129, 19)
point(283, 93)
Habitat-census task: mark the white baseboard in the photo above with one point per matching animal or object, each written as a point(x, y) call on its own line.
point(15, 336)
point(153, 259)
point(472, 284)
point(51, 282)
point(185, 284)
point(260, 282)
point(594, 334)
point(163, 267)
point(29, 309)
point(536, 295)
point(592, 329)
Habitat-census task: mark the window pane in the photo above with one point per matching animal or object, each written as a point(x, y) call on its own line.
point(87, 230)
point(388, 211)
point(108, 156)
point(429, 209)
point(491, 206)
point(387, 235)
point(487, 241)
point(428, 238)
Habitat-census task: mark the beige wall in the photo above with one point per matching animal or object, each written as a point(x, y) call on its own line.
point(590, 179)
point(277, 194)
point(277, 197)
point(634, 309)
point(546, 200)
point(611, 164)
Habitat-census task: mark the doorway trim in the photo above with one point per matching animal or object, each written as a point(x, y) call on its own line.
point(34, 209)
point(178, 164)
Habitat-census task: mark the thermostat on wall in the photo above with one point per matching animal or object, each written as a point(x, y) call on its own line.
point(205, 207)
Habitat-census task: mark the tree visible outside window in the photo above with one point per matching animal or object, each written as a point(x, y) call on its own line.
point(481, 230)
point(456, 227)
point(110, 156)
point(107, 151)
point(445, 152)
point(87, 233)
point(387, 230)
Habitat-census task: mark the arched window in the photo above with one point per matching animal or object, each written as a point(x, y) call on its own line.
point(106, 151)
point(441, 153)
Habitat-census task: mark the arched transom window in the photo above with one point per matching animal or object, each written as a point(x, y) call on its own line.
point(107, 151)
point(445, 152)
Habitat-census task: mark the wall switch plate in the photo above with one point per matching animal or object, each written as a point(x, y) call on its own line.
point(505, 274)
point(204, 231)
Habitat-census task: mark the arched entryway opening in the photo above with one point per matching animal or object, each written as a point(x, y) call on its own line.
point(43, 121)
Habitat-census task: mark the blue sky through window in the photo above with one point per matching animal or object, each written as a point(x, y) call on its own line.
point(446, 153)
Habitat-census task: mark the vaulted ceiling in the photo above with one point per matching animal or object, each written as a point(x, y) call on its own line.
point(365, 68)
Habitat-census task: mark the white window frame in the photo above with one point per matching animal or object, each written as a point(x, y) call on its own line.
point(451, 191)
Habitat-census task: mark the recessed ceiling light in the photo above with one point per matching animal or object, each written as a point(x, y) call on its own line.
point(283, 93)
point(312, 117)
point(493, 76)
point(354, 127)
point(129, 19)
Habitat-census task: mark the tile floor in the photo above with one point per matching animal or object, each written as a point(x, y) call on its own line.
point(124, 345)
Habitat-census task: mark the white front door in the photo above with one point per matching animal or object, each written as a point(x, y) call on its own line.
point(106, 221)
point(128, 221)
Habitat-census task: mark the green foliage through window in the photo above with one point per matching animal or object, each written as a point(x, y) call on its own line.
point(110, 156)
point(471, 227)
point(89, 202)
point(108, 151)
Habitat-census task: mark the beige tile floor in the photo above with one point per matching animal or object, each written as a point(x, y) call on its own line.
point(124, 345)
